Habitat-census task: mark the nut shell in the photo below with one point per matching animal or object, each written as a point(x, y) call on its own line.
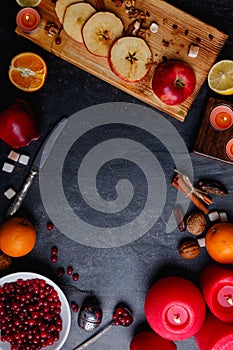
point(196, 223)
point(5, 261)
point(189, 249)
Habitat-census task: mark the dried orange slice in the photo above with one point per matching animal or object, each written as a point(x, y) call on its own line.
point(28, 71)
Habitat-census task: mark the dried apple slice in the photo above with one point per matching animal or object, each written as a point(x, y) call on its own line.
point(100, 31)
point(61, 6)
point(129, 58)
point(75, 16)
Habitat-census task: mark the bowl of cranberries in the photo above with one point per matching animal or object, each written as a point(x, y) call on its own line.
point(34, 313)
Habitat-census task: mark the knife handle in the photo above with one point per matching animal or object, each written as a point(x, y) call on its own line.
point(22, 193)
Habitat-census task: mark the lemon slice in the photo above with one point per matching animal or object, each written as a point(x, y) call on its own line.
point(220, 77)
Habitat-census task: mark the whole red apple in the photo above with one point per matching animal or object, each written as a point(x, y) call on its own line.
point(18, 126)
point(173, 81)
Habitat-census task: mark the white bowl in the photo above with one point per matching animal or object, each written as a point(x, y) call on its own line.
point(65, 308)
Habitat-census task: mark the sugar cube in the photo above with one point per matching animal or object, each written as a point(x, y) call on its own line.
point(7, 167)
point(24, 159)
point(13, 156)
point(10, 193)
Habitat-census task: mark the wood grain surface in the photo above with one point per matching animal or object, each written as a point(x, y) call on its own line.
point(211, 143)
point(177, 31)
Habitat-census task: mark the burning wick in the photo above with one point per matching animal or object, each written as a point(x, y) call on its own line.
point(177, 318)
point(229, 299)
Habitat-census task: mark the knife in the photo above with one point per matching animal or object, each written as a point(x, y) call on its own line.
point(37, 164)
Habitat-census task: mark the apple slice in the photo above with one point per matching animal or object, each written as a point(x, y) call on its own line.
point(100, 31)
point(129, 58)
point(75, 16)
point(61, 6)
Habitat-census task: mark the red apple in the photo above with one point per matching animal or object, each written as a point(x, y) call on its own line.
point(173, 81)
point(18, 126)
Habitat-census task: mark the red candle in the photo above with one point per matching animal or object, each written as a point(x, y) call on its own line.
point(28, 20)
point(229, 149)
point(175, 308)
point(214, 334)
point(149, 340)
point(217, 287)
point(221, 117)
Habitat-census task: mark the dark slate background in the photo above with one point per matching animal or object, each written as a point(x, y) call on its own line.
point(117, 274)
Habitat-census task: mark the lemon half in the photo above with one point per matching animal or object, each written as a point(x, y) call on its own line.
point(220, 77)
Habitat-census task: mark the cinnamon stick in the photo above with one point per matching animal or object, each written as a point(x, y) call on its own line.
point(179, 183)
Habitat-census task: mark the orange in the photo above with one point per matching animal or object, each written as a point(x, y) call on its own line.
point(28, 71)
point(219, 242)
point(17, 237)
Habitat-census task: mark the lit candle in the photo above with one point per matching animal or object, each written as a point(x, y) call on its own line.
point(149, 340)
point(28, 3)
point(217, 286)
point(175, 308)
point(214, 334)
point(221, 117)
point(28, 20)
point(229, 149)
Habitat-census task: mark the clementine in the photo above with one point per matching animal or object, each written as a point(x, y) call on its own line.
point(28, 71)
point(17, 237)
point(219, 242)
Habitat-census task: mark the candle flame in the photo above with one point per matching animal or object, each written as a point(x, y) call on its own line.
point(177, 319)
point(27, 18)
point(229, 299)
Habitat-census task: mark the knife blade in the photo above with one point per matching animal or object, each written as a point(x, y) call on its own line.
point(37, 164)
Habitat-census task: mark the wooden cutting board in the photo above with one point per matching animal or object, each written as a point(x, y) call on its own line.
point(177, 31)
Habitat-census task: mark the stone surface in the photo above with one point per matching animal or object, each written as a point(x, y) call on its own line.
point(120, 273)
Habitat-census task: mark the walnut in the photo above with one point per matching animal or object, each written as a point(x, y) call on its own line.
point(5, 261)
point(189, 249)
point(196, 223)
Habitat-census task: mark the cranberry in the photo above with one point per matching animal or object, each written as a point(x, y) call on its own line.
point(54, 250)
point(30, 315)
point(50, 226)
point(69, 270)
point(74, 306)
point(75, 276)
point(122, 317)
point(53, 258)
point(58, 40)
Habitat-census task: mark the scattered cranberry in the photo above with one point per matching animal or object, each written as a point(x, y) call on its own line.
point(53, 258)
point(54, 250)
point(74, 306)
point(50, 226)
point(60, 271)
point(69, 270)
point(30, 314)
point(75, 276)
point(58, 40)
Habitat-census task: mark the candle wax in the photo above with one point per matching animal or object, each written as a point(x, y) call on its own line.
point(175, 308)
point(217, 286)
point(229, 149)
point(28, 19)
point(223, 120)
point(221, 117)
point(149, 340)
point(214, 334)
point(177, 315)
